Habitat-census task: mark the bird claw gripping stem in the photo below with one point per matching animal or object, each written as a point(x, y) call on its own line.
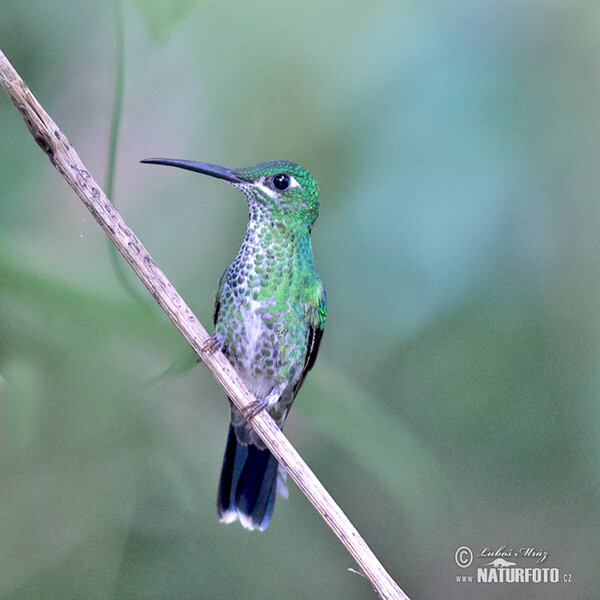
point(210, 345)
point(253, 409)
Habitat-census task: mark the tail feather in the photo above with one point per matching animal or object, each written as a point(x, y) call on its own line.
point(248, 484)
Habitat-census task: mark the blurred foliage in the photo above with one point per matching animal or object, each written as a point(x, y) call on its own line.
point(162, 17)
point(455, 400)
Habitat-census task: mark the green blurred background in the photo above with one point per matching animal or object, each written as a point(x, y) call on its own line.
point(455, 401)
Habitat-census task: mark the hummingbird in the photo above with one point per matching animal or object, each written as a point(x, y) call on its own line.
point(268, 320)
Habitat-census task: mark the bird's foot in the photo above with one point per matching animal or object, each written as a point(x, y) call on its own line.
point(260, 404)
point(210, 345)
point(253, 408)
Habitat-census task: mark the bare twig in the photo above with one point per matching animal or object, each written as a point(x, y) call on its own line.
point(62, 155)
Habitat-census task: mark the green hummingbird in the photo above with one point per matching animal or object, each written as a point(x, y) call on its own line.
point(268, 319)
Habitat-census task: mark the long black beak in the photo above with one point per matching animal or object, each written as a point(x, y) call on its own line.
point(198, 167)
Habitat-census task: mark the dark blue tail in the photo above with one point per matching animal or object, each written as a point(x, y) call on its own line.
point(248, 484)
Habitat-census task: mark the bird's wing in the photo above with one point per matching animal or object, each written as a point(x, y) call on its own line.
point(316, 313)
point(218, 299)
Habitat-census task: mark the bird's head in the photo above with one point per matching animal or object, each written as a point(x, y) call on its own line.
point(280, 190)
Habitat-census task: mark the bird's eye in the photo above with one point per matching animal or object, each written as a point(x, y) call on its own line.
point(281, 181)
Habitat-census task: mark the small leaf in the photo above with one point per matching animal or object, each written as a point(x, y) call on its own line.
point(162, 16)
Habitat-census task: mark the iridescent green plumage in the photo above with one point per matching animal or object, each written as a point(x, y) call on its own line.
point(269, 316)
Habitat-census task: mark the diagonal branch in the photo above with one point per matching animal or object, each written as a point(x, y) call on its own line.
point(63, 156)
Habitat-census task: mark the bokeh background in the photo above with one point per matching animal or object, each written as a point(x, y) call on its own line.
point(455, 401)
